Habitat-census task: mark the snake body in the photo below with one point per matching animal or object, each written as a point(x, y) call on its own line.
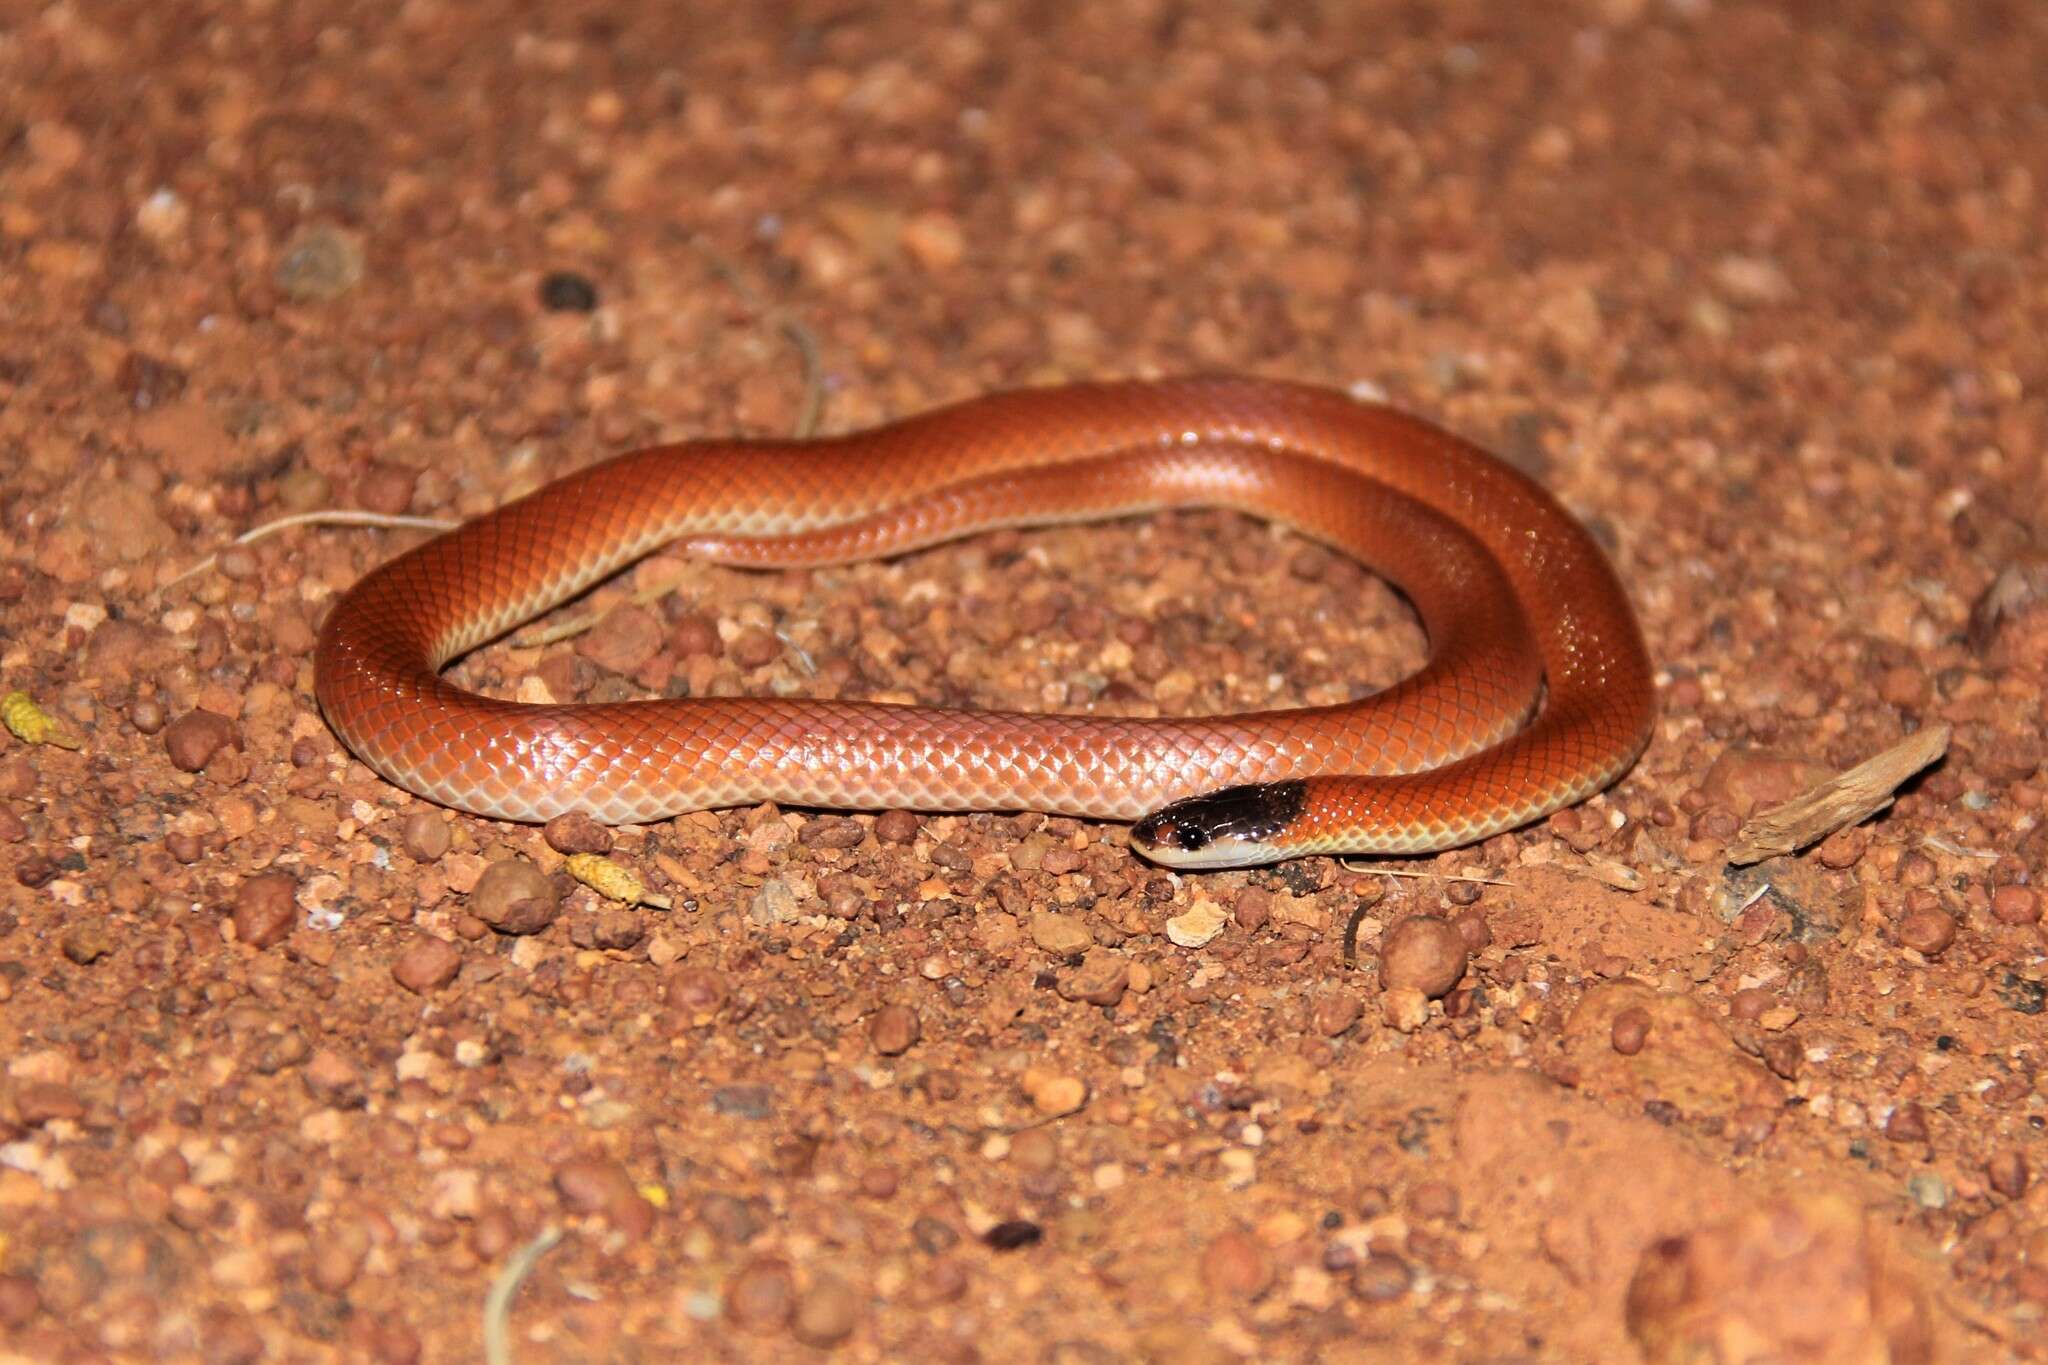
point(1518, 601)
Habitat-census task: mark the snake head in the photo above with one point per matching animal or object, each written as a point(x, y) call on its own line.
point(1233, 827)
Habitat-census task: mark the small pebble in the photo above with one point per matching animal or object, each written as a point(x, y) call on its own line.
point(1053, 1094)
point(894, 1029)
point(146, 714)
point(319, 263)
point(1783, 1054)
point(896, 827)
point(832, 831)
point(1381, 1277)
point(827, 1313)
point(622, 640)
point(427, 965)
point(265, 908)
point(1433, 1199)
point(1196, 926)
point(2007, 1172)
point(1101, 979)
point(1422, 953)
point(514, 897)
point(754, 648)
point(1749, 1004)
point(36, 871)
point(576, 832)
point(1908, 1123)
point(387, 489)
point(1061, 935)
point(593, 1185)
point(1236, 1266)
point(1927, 932)
point(696, 635)
point(85, 944)
point(195, 737)
point(2016, 905)
point(425, 835)
point(761, 1296)
point(1405, 1008)
point(564, 291)
point(944, 1281)
point(1015, 1234)
point(1631, 1030)
point(1334, 1012)
point(334, 1080)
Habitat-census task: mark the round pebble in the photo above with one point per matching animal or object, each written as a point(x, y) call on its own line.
point(1927, 932)
point(755, 647)
point(587, 1185)
point(387, 488)
point(1631, 1029)
point(195, 737)
point(1749, 1004)
point(622, 640)
point(827, 1313)
point(761, 1296)
point(1381, 1277)
point(576, 832)
point(1236, 1266)
point(427, 965)
point(1423, 953)
point(425, 835)
point(514, 897)
point(265, 908)
point(319, 263)
point(2016, 905)
point(896, 827)
point(1334, 1012)
point(696, 635)
point(894, 1029)
point(1053, 1094)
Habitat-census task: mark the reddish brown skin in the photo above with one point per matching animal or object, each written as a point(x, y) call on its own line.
point(1515, 595)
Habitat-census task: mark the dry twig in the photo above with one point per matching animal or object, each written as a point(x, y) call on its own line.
point(1839, 802)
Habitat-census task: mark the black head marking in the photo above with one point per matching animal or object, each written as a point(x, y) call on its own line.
point(1251, 814)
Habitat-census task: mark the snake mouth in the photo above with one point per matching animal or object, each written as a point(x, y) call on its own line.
point(1233, 827)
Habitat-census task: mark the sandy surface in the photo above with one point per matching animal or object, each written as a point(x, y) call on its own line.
point(1757, 289)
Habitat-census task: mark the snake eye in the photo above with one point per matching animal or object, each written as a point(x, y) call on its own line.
point(1234, 827)
point(1162, 830)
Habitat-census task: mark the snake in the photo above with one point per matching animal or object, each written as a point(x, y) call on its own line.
point(1536, 694)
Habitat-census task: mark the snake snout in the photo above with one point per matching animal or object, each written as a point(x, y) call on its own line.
point(1233, 827)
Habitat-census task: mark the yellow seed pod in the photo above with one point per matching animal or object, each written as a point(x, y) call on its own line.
point(612, 880)
point(33, 725)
